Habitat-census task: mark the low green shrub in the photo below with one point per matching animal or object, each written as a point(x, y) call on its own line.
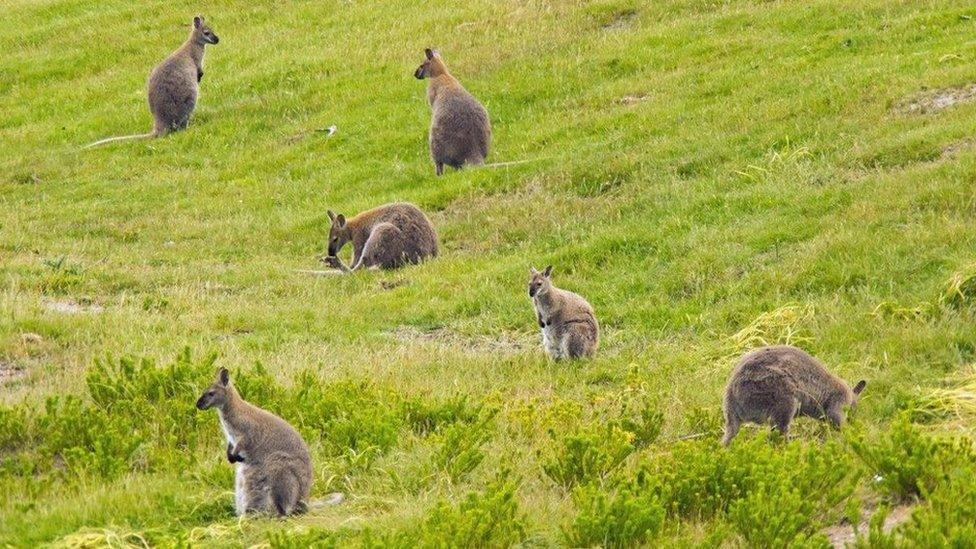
point(587, 455)
point(425, 416)
point(907, 462)
point(458, 446)
point(621, 517)
point(483, 519)
point(771, 495)
point(312, 539)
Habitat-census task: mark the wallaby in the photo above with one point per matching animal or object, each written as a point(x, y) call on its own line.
point(174, 85)
point(460, 131)
point(274, 469)
point(568, 324)
point(385, 237)
point(777, 383)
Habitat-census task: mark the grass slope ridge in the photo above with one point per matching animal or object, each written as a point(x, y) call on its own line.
point(713, 176)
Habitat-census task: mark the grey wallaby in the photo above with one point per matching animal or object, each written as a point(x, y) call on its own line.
point(460, 131)
point(568, 323)
point(274, 468)
point(774, 384)
point(385, 237)
point(174, 85)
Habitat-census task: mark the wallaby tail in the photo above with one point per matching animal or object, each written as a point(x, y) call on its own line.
point(335, 498)
point(514, 162)
point(119, 138)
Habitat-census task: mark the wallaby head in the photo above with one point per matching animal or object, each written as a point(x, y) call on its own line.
point(202, 33)
point(432, 66)
point(339, 234)
point(217, 395)
point(539, 283)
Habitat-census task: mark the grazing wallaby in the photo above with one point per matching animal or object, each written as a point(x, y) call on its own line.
point(777, 383)
point(174, 85)
point(385, 237)
point(274, 469)
point(460, 131)
point(569, 327)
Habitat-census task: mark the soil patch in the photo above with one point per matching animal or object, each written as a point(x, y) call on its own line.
point(931, 101)
point(507, 342)
point(841, 535)
point(10, 372)
point(70, 306)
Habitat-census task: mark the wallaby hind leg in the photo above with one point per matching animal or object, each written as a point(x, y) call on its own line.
point(438, 168)
point(577, 345)
point(257, 490)
point(782, 415)
point(284, 494)
point(383, 248)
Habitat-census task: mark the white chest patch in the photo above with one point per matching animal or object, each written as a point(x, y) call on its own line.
point(223, 425)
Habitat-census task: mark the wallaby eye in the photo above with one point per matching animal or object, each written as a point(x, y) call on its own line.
point(210, 393)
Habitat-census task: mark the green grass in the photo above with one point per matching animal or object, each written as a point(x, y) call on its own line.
point(710, 175)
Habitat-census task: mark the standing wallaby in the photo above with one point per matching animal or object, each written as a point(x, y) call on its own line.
point(460, 131)
point(174, 85)
point(386, 237)
point(569, 327)
point(777, 383)
point(274, 469)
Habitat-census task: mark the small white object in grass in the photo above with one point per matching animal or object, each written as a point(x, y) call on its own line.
point(330, 131)
point(878, 478)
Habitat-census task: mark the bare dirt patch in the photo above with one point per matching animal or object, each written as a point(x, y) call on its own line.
point(956, 147)
point(931, 101)
point(841, 535)
point(10, 372)
point(620, 20)
point(70, 306)
point(632, 99)
point(506, 342)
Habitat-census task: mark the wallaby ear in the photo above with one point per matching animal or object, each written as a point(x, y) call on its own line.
point(860, 387)
point(547, 271)
point(198, 21)
point(532, 271)
point(429, 53)
point(223, 376)
point(332, 216)
point(340, 220)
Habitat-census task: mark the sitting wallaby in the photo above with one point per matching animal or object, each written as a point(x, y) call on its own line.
point(777, 383)
point(568, 324)
point(274, 469)
point(460, 131)
point(385, 237)
point(175, 84)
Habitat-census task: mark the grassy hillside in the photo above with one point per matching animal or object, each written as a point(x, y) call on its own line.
point(711, 175)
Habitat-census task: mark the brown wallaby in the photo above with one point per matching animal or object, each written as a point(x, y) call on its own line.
point(460, 131)
point(174, 85)
point(568, 324)
point(385, 237)
point(777, 383)
point(274, 469)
